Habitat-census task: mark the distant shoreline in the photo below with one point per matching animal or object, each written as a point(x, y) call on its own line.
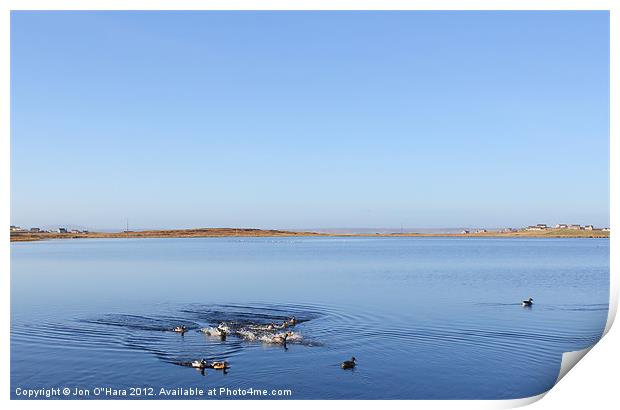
point(245, 232)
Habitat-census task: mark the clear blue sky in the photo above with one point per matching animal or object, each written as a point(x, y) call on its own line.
point(309, 119)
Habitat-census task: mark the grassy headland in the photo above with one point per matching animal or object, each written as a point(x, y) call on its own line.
point(168, 233)
point(248, 232)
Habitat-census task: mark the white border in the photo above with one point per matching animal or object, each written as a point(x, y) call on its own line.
point(573, 392)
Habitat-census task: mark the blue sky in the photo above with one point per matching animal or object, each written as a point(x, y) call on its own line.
point(309, 119)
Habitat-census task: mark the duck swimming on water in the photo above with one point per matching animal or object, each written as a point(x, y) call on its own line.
point(180, 329)
point(268, 327)
point(215, 331)
point(273, 326)
point(200, 364)
point(281, 339)
point(222, 333)
point(348, 364)
point(219, 365)
point(528, 302)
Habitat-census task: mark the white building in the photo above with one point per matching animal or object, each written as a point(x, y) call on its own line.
point(537, 227)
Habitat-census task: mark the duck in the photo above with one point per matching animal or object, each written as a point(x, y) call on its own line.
point(200, 364)
point(281, 339)
point(180, 329)
point(528, 302)
point(223, 327)
point(292, 321)
point(221, 333)
point(217, 331)
point(284, 325)
point(348, 364)
point(219, 365)
point(268, 327)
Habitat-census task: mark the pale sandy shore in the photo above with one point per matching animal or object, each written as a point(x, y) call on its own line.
point(228, 232)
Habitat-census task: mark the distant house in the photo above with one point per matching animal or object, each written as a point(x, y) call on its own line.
point(75, 231)
point(16, 229)
point(35, 230)
point(561, 226)
point(537, 227)
point(574, 226)
point(464, 231)
point(62, 230)
point(508, 230)
point(481, 231)
point(589, 227)
point(605, 229)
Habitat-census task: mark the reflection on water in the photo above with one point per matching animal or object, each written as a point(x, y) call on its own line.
point(425, 317)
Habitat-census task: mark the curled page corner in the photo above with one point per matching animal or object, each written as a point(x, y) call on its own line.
point(514, 403)
point(569, 360)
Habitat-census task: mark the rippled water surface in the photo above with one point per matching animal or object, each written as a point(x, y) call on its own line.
point(425, 318)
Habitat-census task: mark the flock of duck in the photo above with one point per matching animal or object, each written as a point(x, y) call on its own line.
point(267, 333)
point(270, 333)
